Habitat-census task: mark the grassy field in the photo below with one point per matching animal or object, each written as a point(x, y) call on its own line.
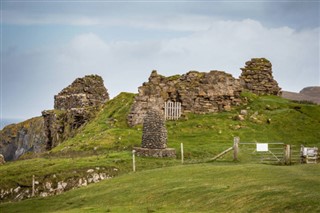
point(215, 187)
point(163, 185)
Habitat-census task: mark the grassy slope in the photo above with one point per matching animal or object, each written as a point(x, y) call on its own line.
point(192, 188)
point(106, 131)
point(204, 135)
point(107, 141)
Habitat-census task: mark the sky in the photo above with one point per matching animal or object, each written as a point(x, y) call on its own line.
point(46, 45)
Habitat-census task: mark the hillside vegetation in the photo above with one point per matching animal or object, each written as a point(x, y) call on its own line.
point(268, 119)
point(202, 185)
point(192, 188)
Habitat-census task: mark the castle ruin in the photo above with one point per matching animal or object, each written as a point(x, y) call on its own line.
point(73, 107)
point(203, 92)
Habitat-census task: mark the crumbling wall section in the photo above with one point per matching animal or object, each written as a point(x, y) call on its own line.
point(74, 106)
point(257, 77)
point(198, 92)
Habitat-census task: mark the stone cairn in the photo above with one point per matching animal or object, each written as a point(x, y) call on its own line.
point(257, 77)
point(154, 137)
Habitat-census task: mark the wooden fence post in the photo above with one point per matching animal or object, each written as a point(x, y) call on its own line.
point(236, 141)
point(182, 157)
point(33, 188)
point(287, 154)
point(134, 160)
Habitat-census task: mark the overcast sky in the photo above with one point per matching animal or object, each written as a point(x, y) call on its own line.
point(45, 45)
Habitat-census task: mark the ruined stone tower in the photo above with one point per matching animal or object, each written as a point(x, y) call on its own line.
point(73, 106)
point(257, 77)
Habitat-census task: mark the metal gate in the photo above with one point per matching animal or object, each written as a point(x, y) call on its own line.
point(270, 153)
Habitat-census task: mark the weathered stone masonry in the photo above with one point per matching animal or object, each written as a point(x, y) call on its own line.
point(154, 137)
point(199, 92)
point(203, 92)
point(154, 131)
point(257, 77)
point(73, 106)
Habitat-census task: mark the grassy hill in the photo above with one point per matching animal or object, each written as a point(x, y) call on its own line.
point(107, 141)
point(192, 188)
point(268, 119)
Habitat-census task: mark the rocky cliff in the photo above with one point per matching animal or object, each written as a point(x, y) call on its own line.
point(74, 106)
point(18, 139)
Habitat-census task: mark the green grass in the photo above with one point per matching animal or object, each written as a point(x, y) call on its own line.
point(193, 188)
point(19, 173)
point(224, 186)
point(203, 135)
point(109, 130)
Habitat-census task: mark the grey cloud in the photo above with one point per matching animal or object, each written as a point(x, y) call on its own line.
point(295, 14)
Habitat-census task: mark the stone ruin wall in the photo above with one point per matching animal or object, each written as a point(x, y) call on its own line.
point(73, 107)
point(203, 92)
point(198, 92)
point(257, 77)
point(83, 92)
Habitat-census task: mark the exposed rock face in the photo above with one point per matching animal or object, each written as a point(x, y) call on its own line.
point(27, 136)
point(74, 106)
point(154, 131)
point(257, 77)
point(53, 185)
point(198, 92)
point(62, 124)
point(83, 92)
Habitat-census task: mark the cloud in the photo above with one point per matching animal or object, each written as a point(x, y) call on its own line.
point(18, 18)
point(126, 64)
point(295, 14)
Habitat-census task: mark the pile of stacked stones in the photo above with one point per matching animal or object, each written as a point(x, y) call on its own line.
point(154, 137)
point(154, 131)
point(257, 77)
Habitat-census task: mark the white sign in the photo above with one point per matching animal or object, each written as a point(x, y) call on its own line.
point(310, 151)
point(262, 147)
